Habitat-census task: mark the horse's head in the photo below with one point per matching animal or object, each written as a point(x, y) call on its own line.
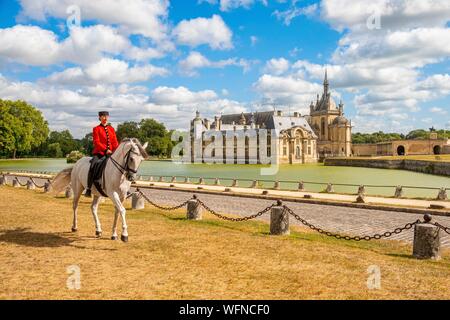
point(134, 156)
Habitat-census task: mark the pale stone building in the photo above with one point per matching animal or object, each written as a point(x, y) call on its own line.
point(252, 137)
point(334, 131)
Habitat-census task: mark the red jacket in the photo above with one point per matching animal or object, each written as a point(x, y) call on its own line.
point(104, 138)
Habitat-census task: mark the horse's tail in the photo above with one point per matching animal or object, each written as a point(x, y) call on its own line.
point(62, 180)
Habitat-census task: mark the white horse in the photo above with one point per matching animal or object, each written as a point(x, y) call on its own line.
point(119, 172)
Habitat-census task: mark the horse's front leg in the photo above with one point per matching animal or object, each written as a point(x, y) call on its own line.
point(94, 208)
point(117, 199)
point(114, 229)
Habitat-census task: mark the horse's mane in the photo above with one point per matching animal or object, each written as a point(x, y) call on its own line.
point(139, 145)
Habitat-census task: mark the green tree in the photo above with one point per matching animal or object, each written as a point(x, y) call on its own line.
point(22, 127)
point(86, 144)
point(129, 129)
point(419, 134)
point(65, 140)
point(54, 150)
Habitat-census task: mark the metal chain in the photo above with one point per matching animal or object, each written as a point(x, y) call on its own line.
point(162, 207)
point(18, 181)
point(446, 229)
point(36, 183)
point(253, 216)
point(387, 234)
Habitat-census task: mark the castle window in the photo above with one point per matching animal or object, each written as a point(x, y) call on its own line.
point(322, 129)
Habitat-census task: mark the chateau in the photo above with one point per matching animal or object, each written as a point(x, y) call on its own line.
point(271, 135)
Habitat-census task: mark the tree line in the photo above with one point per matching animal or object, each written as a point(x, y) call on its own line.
point(420, 134)
point(24, 132)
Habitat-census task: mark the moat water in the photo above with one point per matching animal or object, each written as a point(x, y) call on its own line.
point(308, 173)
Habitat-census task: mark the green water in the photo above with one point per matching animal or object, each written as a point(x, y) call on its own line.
point(310, 173)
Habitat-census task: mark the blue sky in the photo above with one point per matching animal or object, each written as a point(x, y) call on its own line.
point(387, 61)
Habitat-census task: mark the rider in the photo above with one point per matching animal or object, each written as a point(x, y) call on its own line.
point(105, 142)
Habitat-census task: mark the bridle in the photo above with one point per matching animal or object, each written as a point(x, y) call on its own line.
point(127, 168)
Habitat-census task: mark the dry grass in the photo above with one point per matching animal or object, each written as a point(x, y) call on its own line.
point(171, 258)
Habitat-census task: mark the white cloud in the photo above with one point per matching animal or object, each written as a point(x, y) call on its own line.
point(288, 15)
point(276, 66)
point(29, 45)
point(438, 110)
point(196, 60)
point(180, 95)
point(211, 31)
point(32, 45)
point(287, 90)
point(106, 71)
point(142, 17)
point(395, 14)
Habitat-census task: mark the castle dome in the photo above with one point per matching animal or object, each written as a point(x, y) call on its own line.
point(341, 120)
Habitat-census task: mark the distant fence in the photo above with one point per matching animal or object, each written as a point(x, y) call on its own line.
point(398, 191)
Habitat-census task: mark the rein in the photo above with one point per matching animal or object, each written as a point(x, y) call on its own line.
point(121, 168)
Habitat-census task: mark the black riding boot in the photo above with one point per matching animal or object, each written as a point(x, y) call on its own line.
point(90, 178)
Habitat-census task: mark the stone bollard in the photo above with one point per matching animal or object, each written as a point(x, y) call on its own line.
point(361, 198)
point(186, 180)
point(329, 188)
point(217, 182)
point(200, 181)
point(194, 210)
point(398, 192)
point(30, 185)
point(276, 185)
point(442, 194)
point(279, 220)
point(174, 179)
point(69, 192)
point(47, 187)
point(361, 190)
point(137, 202)
point(235, 183)
point(254, 184)
point(2, 180)
point(301, 186)
point(15, 183)
point(427, 240)
point(161, 179)
point(150, 178)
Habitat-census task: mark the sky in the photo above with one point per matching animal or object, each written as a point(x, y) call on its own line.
point(387, 60)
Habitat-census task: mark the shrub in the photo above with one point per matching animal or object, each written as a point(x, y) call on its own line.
point(74, 156)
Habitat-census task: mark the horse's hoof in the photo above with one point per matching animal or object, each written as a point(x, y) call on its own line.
point(124, 238)
point(114, 238)
point(74, 229)
point(98, 234)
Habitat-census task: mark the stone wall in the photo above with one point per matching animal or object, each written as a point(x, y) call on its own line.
point(431, 167)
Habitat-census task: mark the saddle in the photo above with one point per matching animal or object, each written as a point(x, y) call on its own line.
point(97, 168)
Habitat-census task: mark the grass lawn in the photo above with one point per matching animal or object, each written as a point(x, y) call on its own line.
point(169, 257)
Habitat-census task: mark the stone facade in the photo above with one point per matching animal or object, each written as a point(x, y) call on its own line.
point(334, 131)
point(247, 137)
point(403, 147)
